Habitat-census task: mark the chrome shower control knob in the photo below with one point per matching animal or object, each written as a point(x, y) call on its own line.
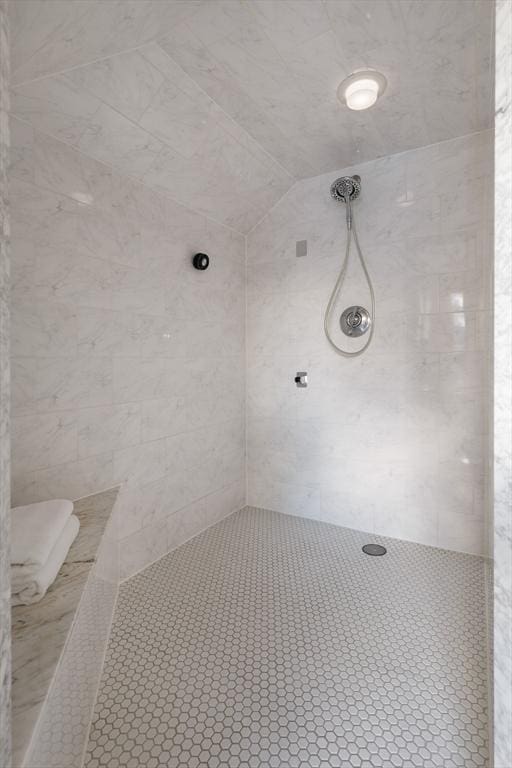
point(355, 321)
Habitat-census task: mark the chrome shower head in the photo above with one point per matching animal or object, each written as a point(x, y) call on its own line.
point(346, 188)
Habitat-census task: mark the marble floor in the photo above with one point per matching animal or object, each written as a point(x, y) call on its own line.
point(273, 641)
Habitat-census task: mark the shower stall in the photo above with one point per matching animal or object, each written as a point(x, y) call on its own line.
point(256, 325)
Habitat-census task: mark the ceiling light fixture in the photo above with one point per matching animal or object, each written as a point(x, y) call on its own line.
point(361, 90)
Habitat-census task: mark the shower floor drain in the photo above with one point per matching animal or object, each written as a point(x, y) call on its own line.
point(374, 549)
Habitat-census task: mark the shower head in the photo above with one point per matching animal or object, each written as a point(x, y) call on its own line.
point(346, 188)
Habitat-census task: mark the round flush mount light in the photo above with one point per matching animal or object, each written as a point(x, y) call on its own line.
point(361, 90)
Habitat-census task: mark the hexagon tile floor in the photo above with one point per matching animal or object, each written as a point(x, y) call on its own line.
point(271, 640)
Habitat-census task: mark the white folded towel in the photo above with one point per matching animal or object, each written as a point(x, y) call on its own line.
point(29, 586)
point(35, 529)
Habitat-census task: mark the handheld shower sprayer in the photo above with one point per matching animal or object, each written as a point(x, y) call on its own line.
point(355, 320)
point(344, 190)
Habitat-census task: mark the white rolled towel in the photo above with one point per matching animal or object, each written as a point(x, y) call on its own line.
point(29, 586)
point(35, 529)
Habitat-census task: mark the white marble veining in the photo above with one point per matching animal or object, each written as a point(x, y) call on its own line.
point(153, 541)
point(503, 391)
point(142, 114)
point(396, 441)
point(275, 67)
point(58, 646)
point(221, 105)
point(112, 138)
point(139, 124)
point(5, 627)
point(127, 362)
point(127, 82)
point(48, 38)
point(57, 106)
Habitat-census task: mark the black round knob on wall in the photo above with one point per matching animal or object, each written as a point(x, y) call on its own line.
point(201, 261)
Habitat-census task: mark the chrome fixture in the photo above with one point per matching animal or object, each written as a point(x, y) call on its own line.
point(355, 320)
point(301, 379)
point(346, 188)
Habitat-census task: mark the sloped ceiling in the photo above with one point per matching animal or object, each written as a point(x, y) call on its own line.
point(223, 104)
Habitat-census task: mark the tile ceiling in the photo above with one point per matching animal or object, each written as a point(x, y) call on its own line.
point(223, 104)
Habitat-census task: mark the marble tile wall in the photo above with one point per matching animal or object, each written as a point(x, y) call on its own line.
point(141, 113)
point(5, 612)
point(395, 441)
point(503, 392)
point(127, 362)
point(273, 67)
point(61, 35)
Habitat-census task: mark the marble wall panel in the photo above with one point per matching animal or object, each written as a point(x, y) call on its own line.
point(128, 364)
point(5, 634)
point(393, 442)
point(503, 392)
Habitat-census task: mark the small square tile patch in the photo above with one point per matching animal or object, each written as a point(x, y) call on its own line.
point(271, 641)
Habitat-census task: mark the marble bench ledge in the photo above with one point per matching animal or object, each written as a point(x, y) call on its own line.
point(42, 634)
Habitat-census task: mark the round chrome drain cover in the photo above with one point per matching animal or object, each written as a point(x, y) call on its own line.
point(355, 321)
point(374, 549)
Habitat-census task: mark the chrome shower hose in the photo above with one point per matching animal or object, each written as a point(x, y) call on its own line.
point(351, 233)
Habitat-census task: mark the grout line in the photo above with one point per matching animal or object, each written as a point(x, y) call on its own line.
point(358, 165)
point(96, 493)
point(114, 451)
point(383, 536)
point(121, 174)
point(132, 446)
point(60, 72)
point(226, 114)
point(274, 161)
point(193, 536)
point(167, 195)
point(273, 207)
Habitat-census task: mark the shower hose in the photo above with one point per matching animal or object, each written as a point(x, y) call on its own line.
point(351, 234)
